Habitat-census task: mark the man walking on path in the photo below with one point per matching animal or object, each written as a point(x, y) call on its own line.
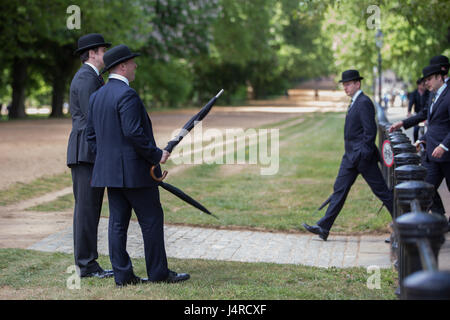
point(360, 157)
point(88, 200)
point(121, 135)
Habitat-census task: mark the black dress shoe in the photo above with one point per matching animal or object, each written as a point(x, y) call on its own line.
point(134, 280)
point(174, 277)
point(323, 234)
point(101, 274)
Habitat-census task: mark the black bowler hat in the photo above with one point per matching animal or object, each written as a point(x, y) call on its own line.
point(350, 75)
point(91, 41)
point(116, 55)
point(431, 69)
point(440, 60)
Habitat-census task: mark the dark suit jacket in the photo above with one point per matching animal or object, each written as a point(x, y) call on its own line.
point(84, 83)
point(360, 131)
point(120, 134)
point(439, 126)
point(418, 101)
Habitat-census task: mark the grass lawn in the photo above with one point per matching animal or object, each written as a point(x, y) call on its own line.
point(310, 154)
point(26, 274)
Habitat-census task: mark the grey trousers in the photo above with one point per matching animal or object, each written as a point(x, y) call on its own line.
point(88, 205)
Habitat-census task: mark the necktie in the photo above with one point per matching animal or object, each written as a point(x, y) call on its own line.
point(100, 78)
point(348, 109)
point(432, 103)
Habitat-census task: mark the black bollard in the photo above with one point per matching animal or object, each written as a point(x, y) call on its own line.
point(409, 172)
point(408, 191)
point(403, 147)
point(421, 236)
point(406, 158)
point(427, 285)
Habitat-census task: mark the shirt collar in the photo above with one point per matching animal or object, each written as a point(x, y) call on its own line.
point(93, 67)
point(438, 93)
point(356, 95)
point(119, 77)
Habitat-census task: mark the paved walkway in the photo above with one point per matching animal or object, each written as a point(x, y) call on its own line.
point(244, 246)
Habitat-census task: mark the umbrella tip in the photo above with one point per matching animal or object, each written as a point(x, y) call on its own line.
point(220, 92)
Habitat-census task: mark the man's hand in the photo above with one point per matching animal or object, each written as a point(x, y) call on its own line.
point(165, 156)
point(396, 125)
point(418, 143)
point(438, 152)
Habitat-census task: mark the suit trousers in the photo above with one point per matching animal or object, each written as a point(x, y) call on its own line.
point(436, 172)
point(147, 207)
point(88, 206)
point(344, 181)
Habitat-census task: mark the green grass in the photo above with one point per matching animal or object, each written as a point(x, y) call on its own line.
point(23, 191)
point(310, 154)
point(27, 274)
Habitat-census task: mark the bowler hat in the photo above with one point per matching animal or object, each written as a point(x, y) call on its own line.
point(431, 69)
point(91, 41)
point(350, 75)
point(116, 55)
point(440, 60)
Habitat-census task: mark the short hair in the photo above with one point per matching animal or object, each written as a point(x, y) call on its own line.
point(84, 56)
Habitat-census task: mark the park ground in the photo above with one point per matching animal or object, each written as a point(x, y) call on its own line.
point(36, 201)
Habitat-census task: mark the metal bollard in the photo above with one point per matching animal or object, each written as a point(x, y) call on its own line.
point(408, 191)
point(409, 172)
point(421, 236)
point(403, 147)
point(400, 139)
point(406, 158)
point(427, 285)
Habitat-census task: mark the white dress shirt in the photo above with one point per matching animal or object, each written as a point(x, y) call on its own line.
point(119, 77)
point(93, 67)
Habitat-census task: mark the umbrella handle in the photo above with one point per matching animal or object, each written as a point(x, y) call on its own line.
point(152, 173)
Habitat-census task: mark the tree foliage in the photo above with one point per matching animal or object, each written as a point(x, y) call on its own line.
point(191, 49)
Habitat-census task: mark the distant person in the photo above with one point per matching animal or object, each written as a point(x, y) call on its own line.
point(419, 99)
point(361, 155)
point(88, 200)
point(121, 135)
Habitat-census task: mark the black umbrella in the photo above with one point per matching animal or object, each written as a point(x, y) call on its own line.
point(183, 196)
point(185, 130)
point(173, 143)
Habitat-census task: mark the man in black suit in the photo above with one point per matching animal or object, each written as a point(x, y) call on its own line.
point(437, 138)
point(418, 99)
point(121, 135)
point(360, 157)
point(88, 200)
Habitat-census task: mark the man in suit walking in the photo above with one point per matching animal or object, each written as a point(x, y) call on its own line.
point(88, 200)
point(120, 133)
point(360, 157)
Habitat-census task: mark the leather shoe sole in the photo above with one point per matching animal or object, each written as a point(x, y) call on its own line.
point(133, 281)
point(99, 274)
point(323, 234)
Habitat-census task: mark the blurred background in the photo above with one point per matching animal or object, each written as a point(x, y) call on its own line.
point(254, 49)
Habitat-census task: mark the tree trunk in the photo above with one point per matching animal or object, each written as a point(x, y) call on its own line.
point(59, 88)
point(19, 77)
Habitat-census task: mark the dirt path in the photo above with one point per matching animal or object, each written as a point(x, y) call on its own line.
point(34, 148)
